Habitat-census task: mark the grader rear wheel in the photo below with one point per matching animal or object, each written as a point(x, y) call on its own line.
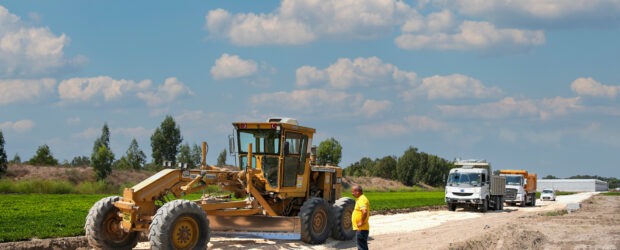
point(342, 211)
point(315, 220)
point(179, 224)
point(103, 229)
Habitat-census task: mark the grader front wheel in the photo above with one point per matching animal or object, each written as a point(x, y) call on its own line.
point(103, 229)
point(179, 224)
point(315, 220)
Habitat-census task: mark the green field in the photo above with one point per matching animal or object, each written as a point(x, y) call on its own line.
point(27, 216)
point(395, 200)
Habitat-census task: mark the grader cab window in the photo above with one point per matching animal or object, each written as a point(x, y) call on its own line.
point(263, 141)
point(295, 147)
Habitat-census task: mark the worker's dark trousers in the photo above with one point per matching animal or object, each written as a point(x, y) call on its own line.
point(361, 237)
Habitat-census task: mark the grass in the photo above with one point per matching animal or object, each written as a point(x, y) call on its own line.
point(27, 216)
point(396, 200)
point(611, 193)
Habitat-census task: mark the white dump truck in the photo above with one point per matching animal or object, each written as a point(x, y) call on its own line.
point(472, 184)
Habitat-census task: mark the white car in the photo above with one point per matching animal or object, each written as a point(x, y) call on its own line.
point(547, 195)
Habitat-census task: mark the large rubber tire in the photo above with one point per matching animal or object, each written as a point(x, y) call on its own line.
point(485, 205)
point(315, 220)
point(533, 199)
point(501, 203)
point(103, 229)
point(342, 211)
point(179, 224)
point(452, 207)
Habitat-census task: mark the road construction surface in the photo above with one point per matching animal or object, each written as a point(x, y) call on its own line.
point(596, 225)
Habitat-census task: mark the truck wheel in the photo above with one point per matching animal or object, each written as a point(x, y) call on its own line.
point(501, 203)
point(179, 224)
point(315, 221)
point(485, 205)
point(342, 211)
point(533, 199)
point(103, 229)
point(452, 207)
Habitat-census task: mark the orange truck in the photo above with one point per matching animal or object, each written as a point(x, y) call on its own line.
point(520, 187)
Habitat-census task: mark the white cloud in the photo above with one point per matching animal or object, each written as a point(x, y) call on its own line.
point(20, 126)
point(472, 35)
point(371, 108)
point(300, 22)
point(31, 51)
point(510, 107)
point(382, 130)
point(106, 89)
point(307, 75)
point(231, 66)
point(591, 87)
point(575, 12)
point(171, 90)
point(424, 123)
point(13, 91)
point(310, 100)
point(455, 86)
point(347, 73)
point(98, 88)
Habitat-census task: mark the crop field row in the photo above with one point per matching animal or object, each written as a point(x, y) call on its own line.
point(27, 216)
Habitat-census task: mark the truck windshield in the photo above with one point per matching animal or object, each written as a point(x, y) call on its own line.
point(514, 180)
point(464, 178)
point(264, 141)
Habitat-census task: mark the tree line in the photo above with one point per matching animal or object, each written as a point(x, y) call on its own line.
point(166, 144)
point(412, 167)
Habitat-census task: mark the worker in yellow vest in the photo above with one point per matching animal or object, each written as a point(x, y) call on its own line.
point(359, 218)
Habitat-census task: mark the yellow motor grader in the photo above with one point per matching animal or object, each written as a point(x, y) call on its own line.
point(285, 192)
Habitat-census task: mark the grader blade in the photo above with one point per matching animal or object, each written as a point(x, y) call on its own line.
point(256, 225)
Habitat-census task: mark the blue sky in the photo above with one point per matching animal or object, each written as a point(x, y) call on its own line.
point(524, 84)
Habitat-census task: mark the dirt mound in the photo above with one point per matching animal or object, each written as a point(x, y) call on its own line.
point(379, 184)
point(79, 242)
point(73, 174)
point(509, 237)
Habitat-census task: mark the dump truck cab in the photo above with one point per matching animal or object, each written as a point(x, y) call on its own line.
point(471, 184)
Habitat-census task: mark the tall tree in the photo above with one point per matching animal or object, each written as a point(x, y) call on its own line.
point(134, 155)
point(385, 168)
point(221, 159)
point(104, 139)
point(165, 141)
point(102, 157)
point(80, 161)
point(407, 165)
point(102, 162)
point(196, 155)
point(16, 159)
point(43, 156)
point(185, 155)
point(329, 151)
point(3, 160)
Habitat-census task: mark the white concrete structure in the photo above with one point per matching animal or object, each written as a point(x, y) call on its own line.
point(573, 185)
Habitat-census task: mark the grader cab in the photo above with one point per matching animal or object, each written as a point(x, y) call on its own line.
point(279, 189)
